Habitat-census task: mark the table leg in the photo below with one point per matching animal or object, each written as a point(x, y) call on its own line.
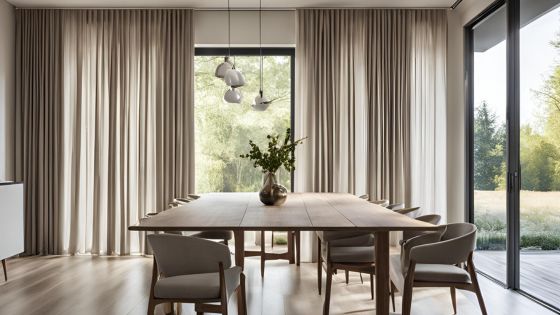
point(239, 248)
point(382, 273)
point(291, 250)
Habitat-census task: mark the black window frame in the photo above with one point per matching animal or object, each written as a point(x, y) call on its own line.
point(265, 51)
point(513, 182)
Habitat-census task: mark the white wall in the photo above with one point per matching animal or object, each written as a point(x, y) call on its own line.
point(278, 28)
point(7, 88)
point(456, 110)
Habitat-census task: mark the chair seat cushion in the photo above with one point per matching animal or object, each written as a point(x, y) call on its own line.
point(440, 273)
point(351, 254)
point(327, 236)
point(196, 286)
point(214, 235)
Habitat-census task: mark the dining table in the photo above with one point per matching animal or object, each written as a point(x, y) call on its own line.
point(241, 212)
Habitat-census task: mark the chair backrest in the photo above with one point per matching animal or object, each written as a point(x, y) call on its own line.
point(457, 242)
point(429, 218)
point(382, 202)
point(395, 206)
point(183, 255)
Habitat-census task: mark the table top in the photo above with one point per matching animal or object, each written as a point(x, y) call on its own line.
point(300, 212)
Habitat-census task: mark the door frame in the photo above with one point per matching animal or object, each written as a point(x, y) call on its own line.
point(513, 139)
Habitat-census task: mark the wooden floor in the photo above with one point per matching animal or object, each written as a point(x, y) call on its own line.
point(540, 271)
point(120, 285)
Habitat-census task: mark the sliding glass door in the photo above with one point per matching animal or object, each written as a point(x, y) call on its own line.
point(489, 142)
point(539, 140)
point(513, 94)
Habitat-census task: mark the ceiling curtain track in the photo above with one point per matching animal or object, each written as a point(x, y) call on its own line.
point(104, 124)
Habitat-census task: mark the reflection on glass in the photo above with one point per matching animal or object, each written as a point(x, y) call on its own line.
point(540, 149)
point(223, 130)
point(489, 142)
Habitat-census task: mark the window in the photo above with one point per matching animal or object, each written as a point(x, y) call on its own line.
point(223, 130)
point(489, 147)
point(513, 93)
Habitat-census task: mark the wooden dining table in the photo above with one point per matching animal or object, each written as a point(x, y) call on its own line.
point(242, 212)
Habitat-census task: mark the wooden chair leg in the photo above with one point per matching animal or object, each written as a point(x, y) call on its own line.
point(262, 254)
point(361, 278)
point(347, 276)
point(298, 247)
point(272, 239)
point(5, 270)
point(474, 280)
point(241, 298)
point(327, 302)
point(453, 299)
point(372, 285)
point(319, 266)
point(151, 307)
point(407, 292)
point(392, 292)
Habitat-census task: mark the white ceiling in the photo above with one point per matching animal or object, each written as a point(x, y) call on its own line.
point(238, 4)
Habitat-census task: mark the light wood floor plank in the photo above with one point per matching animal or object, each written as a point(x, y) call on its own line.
point(119, 285)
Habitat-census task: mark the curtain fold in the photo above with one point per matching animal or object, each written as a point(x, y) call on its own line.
point(364, 92)
point(123, 102)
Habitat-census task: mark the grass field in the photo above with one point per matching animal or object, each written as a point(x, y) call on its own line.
point(540, 218)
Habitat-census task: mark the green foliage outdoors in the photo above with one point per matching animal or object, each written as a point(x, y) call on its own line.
point(276, 155)
point(223, 131)
point(540, 173)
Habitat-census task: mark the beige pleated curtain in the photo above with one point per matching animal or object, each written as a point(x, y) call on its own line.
point(104, 123)
point(370, 95)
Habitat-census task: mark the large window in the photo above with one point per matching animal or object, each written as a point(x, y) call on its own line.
point(223, 130)
point(513, 67)
point(489, 147)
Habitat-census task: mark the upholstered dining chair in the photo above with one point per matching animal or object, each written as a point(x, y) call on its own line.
point(395, 206)
point(219, 235)
point(339, 235)
point(192, 270)
point(429, 218)
point(406, 210)
point(441, 260)
point(352, 253)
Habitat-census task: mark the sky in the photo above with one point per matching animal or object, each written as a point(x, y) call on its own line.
point(537, 59)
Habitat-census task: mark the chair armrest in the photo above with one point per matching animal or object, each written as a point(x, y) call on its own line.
point(419, 240)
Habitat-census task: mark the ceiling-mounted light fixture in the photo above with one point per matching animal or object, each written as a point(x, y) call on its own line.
point(232, 77)
point(261, 102)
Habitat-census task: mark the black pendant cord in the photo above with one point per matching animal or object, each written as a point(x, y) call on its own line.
point(229, 30)
point(260, 44)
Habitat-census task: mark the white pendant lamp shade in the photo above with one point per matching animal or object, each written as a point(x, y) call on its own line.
point(234, 78)
point(233, 95)
point(223, 68)
point(261, 103)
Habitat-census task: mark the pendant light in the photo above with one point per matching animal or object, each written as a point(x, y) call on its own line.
point(227, 64)
point(261, 102)
point(233, 95)
point(232, 77)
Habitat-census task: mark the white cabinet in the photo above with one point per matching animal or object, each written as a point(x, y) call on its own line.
point(11, 219)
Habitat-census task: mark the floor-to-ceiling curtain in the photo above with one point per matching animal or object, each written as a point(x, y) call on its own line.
point(104, 123)
point(367, 84)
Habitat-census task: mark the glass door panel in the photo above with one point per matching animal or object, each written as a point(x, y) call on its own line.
point(489, 143)
point(540, 149)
